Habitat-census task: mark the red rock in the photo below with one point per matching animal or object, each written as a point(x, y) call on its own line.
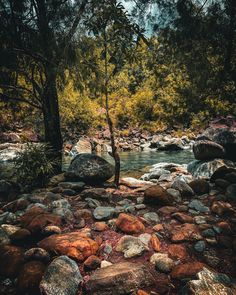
point(185, 232)
point(100, 226)
point(178, 251)
point(129, 224)
point(141, 292)
point(167, 210)
point(35, 219)
point(12, 258)
point(75, 245)
point(221, 207)
point(92, 262)
point(225, 227)
point(158, 227)
point(30, 276)
point(156, 244)
point(183, 217)
point(186, 270)
point(157, 195)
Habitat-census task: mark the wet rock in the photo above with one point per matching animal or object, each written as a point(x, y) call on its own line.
point(162, 262)
point(201, 169)
point(200, 186)
point(156, 195)
point(182, 187)
point(120, 278)
point(131, 246)
point(75, 245)
point(30, 276)
point(92, 263)
point(61, 277)
point(151, 217)
point(207, 150)
point(89, 168)
point(187, 270)
point(35, 219)
point(103, 213)
point(11, 260)
point(129, 224)
point(198, 206)
point(209, 283)
point(38, 254)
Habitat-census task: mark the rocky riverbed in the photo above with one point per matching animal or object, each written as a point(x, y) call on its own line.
point(170, 232)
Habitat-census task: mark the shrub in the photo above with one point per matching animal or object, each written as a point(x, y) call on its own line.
point(34, 166)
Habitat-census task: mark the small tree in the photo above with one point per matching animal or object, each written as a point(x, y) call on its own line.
point(110, 23)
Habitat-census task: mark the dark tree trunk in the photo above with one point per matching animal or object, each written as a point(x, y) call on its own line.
point(51, 116)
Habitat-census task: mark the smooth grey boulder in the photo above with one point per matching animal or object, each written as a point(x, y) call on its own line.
point(62, 277)
point(89, 168)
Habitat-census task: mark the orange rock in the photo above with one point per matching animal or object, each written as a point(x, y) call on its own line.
point(100, 226)
point(156, 244)
point(186, 270)
point(75, 245)
point(185, 232)
point(178, 251)
point(183, 217)
point(129, 224)
point(35, 219)
point(141, 292)
point(92, 262)
point(158, 227)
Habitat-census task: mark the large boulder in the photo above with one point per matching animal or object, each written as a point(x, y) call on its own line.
point(89, 168)
point(223, 132)
point(201, 169)
point(75, 245)
point(119, 279)
point(62, 277)
point(207, 150)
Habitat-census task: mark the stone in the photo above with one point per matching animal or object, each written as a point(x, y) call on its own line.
point(83, 213)
point(38, 254)
point(198, 206)
point(92, 263)
point(29, 277)
point(89, 168)
point(134, 183)
point(186, 270)
point(105, 263)
point(231, 177)
point(74, 244)
point(184, 189)
point(151, 217)
point(209, 283)
point(231, 192)
point(35, 219)
point(202, 169)
point(200, 246)
point(221, 183)
point(20, 236)
point(103, 213)
point(182, 217)
point(4, 239)
point(76, 185)
point(11, 260)
point(100, 226)
point(207, 150)
point(200, 186)
point(154, 174)
point(129, 224)
point(157, 195)
point(131, 246)
point(199, 219)
point(95, 193)
point(178, 251)
point(174, 193)
point(61, 277)
point(185, 232)
point(9, 229)
point(51, 229)
point(208, 233)
point(120, 278)
point(162, 262)
point(155, 243)
point(158, 227)
point(221, 208)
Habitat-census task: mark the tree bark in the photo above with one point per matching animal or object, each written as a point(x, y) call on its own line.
point(52, 118)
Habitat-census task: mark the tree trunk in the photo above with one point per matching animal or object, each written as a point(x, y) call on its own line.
point(51, 117)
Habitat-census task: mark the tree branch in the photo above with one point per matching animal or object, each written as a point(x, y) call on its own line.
point(6, 98)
